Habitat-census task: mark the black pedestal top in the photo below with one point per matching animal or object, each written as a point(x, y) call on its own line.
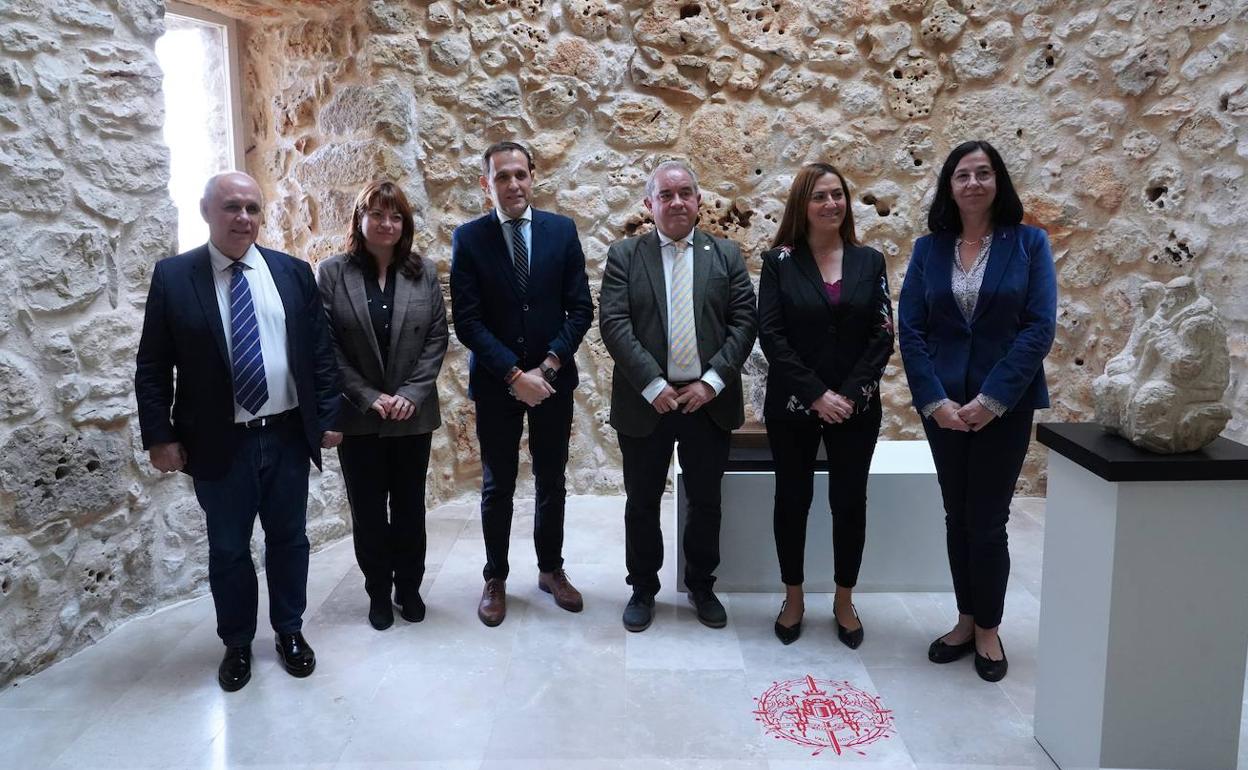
point(1113, 458)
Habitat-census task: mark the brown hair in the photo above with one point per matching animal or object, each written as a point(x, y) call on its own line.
point(498, 147)
point(386, 196)
point(793, 224)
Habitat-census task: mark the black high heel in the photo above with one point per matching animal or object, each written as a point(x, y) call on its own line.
point(787, 634)
point(850, 639)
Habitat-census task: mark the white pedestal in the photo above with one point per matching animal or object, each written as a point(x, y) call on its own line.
point(905, 546)
point(1143, 621)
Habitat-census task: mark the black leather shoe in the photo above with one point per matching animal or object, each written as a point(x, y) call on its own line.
point(412, 608)
point(639, 612)
point(939, 652)
point(991, 670)
point(296, 655)
point(850, 639)
point(787, 634)
point(235, 669)
point(380, 614)
point(710, 612)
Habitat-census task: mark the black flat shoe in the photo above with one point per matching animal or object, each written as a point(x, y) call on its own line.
point(939, 652)
point(235, 669)
point(850, 639)
point(380, 614)
point(991, 670)
point(787, 634)
point(412, 609)
point(297, 656)
point(639, 612)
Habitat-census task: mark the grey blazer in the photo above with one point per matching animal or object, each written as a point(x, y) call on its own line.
point(632, 318)
point(418, 341)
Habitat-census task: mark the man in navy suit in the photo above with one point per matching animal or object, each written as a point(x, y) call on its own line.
point(255, 399)
point(521, 304)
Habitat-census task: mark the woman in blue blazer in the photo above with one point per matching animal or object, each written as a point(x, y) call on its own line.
point(976, 318)
point(826, 327)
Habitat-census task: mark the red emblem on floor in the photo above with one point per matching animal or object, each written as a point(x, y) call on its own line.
point(823, 714)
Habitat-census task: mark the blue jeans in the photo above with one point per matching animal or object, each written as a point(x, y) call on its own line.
point(268, 476)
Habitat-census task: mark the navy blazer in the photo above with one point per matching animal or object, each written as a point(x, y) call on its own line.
point(182, 331)
point(1000, 353)
point(503, 327)
point(812, 345)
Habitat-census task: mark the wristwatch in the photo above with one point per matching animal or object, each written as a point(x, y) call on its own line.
point(549, 373)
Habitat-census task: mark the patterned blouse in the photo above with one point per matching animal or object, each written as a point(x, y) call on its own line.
point(966, 286)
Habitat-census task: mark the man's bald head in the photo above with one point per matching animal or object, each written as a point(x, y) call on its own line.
point(232, 208)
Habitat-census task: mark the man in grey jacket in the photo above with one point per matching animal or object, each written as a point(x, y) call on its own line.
point(677, 314)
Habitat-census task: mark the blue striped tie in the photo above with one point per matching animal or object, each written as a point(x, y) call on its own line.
point(250, 388)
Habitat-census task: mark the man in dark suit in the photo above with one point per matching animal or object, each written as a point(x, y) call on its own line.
point(255, 399)
point(520, 302)
point(677, 315)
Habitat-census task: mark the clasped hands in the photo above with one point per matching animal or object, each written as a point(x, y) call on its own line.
point(531, 388)
point(688, 399)
point(832, 407)
point(972, 417)
point(393, 407)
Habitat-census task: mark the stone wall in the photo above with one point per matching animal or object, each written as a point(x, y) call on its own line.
point(1123, 123)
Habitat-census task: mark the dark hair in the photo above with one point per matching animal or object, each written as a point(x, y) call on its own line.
point(1007, 209)
point(386, 196)
point(498, 147)
point(793, 224)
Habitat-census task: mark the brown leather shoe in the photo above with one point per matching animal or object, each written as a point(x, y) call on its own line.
point(556, 584)
point(493, 606)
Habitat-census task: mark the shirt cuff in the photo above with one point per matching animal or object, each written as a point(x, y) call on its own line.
point(931, 408)
point(712, 378)
point(652, 391)
point(991, 404)
point(554, 355)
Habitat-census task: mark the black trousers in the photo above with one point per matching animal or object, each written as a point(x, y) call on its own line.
point(703, 450)
point(268, 477)
point(385, 479)
point(977, 474)
point(849, 446)
point(499, 426)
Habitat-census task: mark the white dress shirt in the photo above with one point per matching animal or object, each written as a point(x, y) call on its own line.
point(271, 321)
point(526, 228)
point(667, 250)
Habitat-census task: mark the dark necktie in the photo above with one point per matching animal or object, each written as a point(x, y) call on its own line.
point(519, 254)
point(250, 388)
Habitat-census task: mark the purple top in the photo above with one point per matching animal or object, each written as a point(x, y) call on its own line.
point(833, 290)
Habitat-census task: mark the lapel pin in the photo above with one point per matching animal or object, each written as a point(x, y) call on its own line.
point(706, 247)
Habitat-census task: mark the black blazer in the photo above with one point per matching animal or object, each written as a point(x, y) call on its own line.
point(418, 338)
point(813, 346)
point(182, 332)
point(504, 328)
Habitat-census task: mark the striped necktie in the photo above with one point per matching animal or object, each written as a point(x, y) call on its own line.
point(519, 254)
point(683, 342)
point(250, 388)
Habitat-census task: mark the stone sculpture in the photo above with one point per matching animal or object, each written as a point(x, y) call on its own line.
point(1164, 391)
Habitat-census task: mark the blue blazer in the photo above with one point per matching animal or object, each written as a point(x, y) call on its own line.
point(1000, 353)
point(503, 327)
point(182, 331)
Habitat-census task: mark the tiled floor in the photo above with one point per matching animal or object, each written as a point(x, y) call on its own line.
point(546, 690)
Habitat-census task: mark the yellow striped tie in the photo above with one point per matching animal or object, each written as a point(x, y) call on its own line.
point(683, 336)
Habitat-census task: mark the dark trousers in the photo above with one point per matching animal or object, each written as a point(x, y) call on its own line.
point(268, 476)
point(499, 426)
point(703, 450)
point(977, 473)
point(385, 479)
point(849, 446)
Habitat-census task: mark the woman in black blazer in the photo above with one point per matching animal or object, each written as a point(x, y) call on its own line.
point(389, 327)
point(826, 327)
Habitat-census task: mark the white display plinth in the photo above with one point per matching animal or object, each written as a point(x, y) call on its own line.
point(1144, 611)
point(905, 546)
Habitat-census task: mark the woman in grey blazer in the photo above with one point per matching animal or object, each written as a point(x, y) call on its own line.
point(389, 328)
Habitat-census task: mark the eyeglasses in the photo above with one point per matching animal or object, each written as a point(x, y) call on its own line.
point(983, 176)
